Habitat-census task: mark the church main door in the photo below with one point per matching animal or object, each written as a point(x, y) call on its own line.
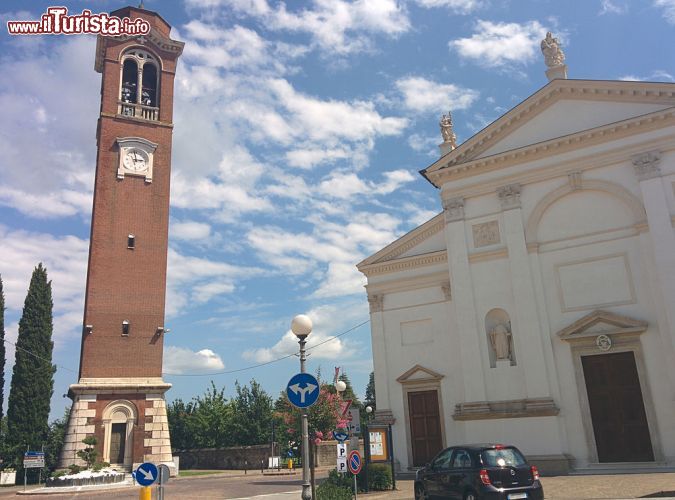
point(425, 426)
point(617, 408)
point(118, 436)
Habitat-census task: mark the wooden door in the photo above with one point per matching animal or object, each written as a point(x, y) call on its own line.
point(425, 426)
point(617, 408)
point(118, 437)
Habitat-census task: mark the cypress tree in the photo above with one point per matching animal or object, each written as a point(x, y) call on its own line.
point(33, 376)
point(2, 349)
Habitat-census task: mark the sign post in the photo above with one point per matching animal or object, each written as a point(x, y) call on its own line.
point(355, 463)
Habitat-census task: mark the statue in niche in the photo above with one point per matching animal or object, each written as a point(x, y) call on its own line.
point(500, 338)
point(553, 54)
point(446, 130)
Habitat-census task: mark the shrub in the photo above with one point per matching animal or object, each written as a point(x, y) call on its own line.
point(74, 468)
point(99, 465)
point(330, 491)
point(379, 477)
point(59, 473)
point(89, 454)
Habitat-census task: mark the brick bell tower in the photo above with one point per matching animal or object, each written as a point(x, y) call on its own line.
point(119, 397)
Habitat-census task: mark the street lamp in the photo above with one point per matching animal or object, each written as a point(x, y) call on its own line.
point(301, 326)
point(340, 386)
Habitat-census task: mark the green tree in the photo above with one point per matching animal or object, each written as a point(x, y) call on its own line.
point(2, 349)
point(370, 392)
point(252, 409)
point(181, 415)
point(55, 438)
point(33, 375)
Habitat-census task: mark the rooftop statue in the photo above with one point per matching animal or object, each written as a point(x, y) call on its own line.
point(553, 54)
point(446, 130)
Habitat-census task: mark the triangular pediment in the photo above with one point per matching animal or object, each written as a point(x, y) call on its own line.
point(601, 323)
point(562, 108)
point(418, 373)
point(423, 240)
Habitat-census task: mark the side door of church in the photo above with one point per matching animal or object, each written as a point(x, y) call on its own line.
point(425, 426)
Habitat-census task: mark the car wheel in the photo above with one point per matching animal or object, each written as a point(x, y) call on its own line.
point(470, 495)
point(420, 493)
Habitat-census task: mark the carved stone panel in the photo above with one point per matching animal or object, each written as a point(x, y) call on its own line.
point(485, 234)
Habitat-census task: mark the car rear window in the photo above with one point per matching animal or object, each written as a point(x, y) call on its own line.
point(502, 457)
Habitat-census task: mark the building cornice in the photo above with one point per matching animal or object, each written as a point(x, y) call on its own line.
point(406, 263)
point(435, 279)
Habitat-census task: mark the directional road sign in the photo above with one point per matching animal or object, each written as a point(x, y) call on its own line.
point(146, 474)
point(340, 436)
point(354, 462)
point(303, 390)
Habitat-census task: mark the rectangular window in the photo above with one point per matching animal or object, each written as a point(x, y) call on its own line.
point(131, 242)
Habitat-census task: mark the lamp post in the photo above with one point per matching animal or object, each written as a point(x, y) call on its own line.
point(301, 326)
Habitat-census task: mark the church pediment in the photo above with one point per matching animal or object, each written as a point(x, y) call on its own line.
point(561, 109)
point(424, 243)
point(417, 374)
point(602, 323)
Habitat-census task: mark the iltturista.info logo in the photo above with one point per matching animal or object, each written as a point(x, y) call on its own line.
point(56, 21)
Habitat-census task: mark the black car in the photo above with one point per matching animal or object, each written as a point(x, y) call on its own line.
point(479, 471)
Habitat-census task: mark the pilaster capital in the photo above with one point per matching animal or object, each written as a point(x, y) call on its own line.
point(509, 196)
point(376, 302)
point(646, 165)
point(447, 291)
point(453, 209)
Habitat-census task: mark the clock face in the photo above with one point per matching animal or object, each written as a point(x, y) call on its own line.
point(135, 160)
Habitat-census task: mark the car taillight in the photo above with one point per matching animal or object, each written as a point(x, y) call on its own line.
point(535, 473)
point(484, 477)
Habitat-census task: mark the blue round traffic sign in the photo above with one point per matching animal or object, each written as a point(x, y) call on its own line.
point(340, 436)
point(354, 462)
point(303, 390)
point(146, 474)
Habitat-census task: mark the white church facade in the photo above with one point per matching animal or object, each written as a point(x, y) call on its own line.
point(538, 308)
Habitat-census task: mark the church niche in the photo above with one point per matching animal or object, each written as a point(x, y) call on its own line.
point(499, 337)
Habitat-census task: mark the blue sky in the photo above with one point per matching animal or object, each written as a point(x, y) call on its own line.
point(299, 131)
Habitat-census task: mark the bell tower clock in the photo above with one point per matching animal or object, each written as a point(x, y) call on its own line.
point(119, 397)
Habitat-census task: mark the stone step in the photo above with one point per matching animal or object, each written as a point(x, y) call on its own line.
point(624, 468)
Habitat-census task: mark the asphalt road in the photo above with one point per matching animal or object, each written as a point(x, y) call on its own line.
point(203, 487)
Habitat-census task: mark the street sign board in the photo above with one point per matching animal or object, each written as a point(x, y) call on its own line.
point(342, 464)
point(302, 390)
point(164, 472)
point(146, 474)
point(344, 407)
point(33, 460)
point(353, 421)
point(354, 462)
point(340, 436)
point(342, 450)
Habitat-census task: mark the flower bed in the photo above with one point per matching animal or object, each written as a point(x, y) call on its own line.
point(87, 478)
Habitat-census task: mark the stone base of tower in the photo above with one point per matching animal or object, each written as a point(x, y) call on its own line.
point(128, 418)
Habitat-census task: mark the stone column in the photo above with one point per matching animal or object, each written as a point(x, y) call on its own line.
point(466, 324)
point(526, 329)
point(661, 234)
point(380, 366)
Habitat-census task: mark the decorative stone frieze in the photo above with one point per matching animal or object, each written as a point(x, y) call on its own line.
point(453, 209)
point(509, 196)
point(647, 166)
point(515, 408)
point(376, 302)
point(485, 234)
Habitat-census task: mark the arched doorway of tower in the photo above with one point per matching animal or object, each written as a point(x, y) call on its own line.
point(119, 418)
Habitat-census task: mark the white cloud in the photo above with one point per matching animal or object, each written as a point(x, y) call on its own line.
point(612, 7)
point(668, 7)
point(189, 230)
point(426, 145)
point(180, 360)
point(328, 320)
point(422, 95)
point(334, 26)
point(460, 6)
point(496, 45)
point(348, 185)
point(658, 75)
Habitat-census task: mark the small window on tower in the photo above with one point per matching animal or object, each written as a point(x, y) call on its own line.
point(149, 92)
point(125, 328)
point(129, 90)
point(131, 242)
